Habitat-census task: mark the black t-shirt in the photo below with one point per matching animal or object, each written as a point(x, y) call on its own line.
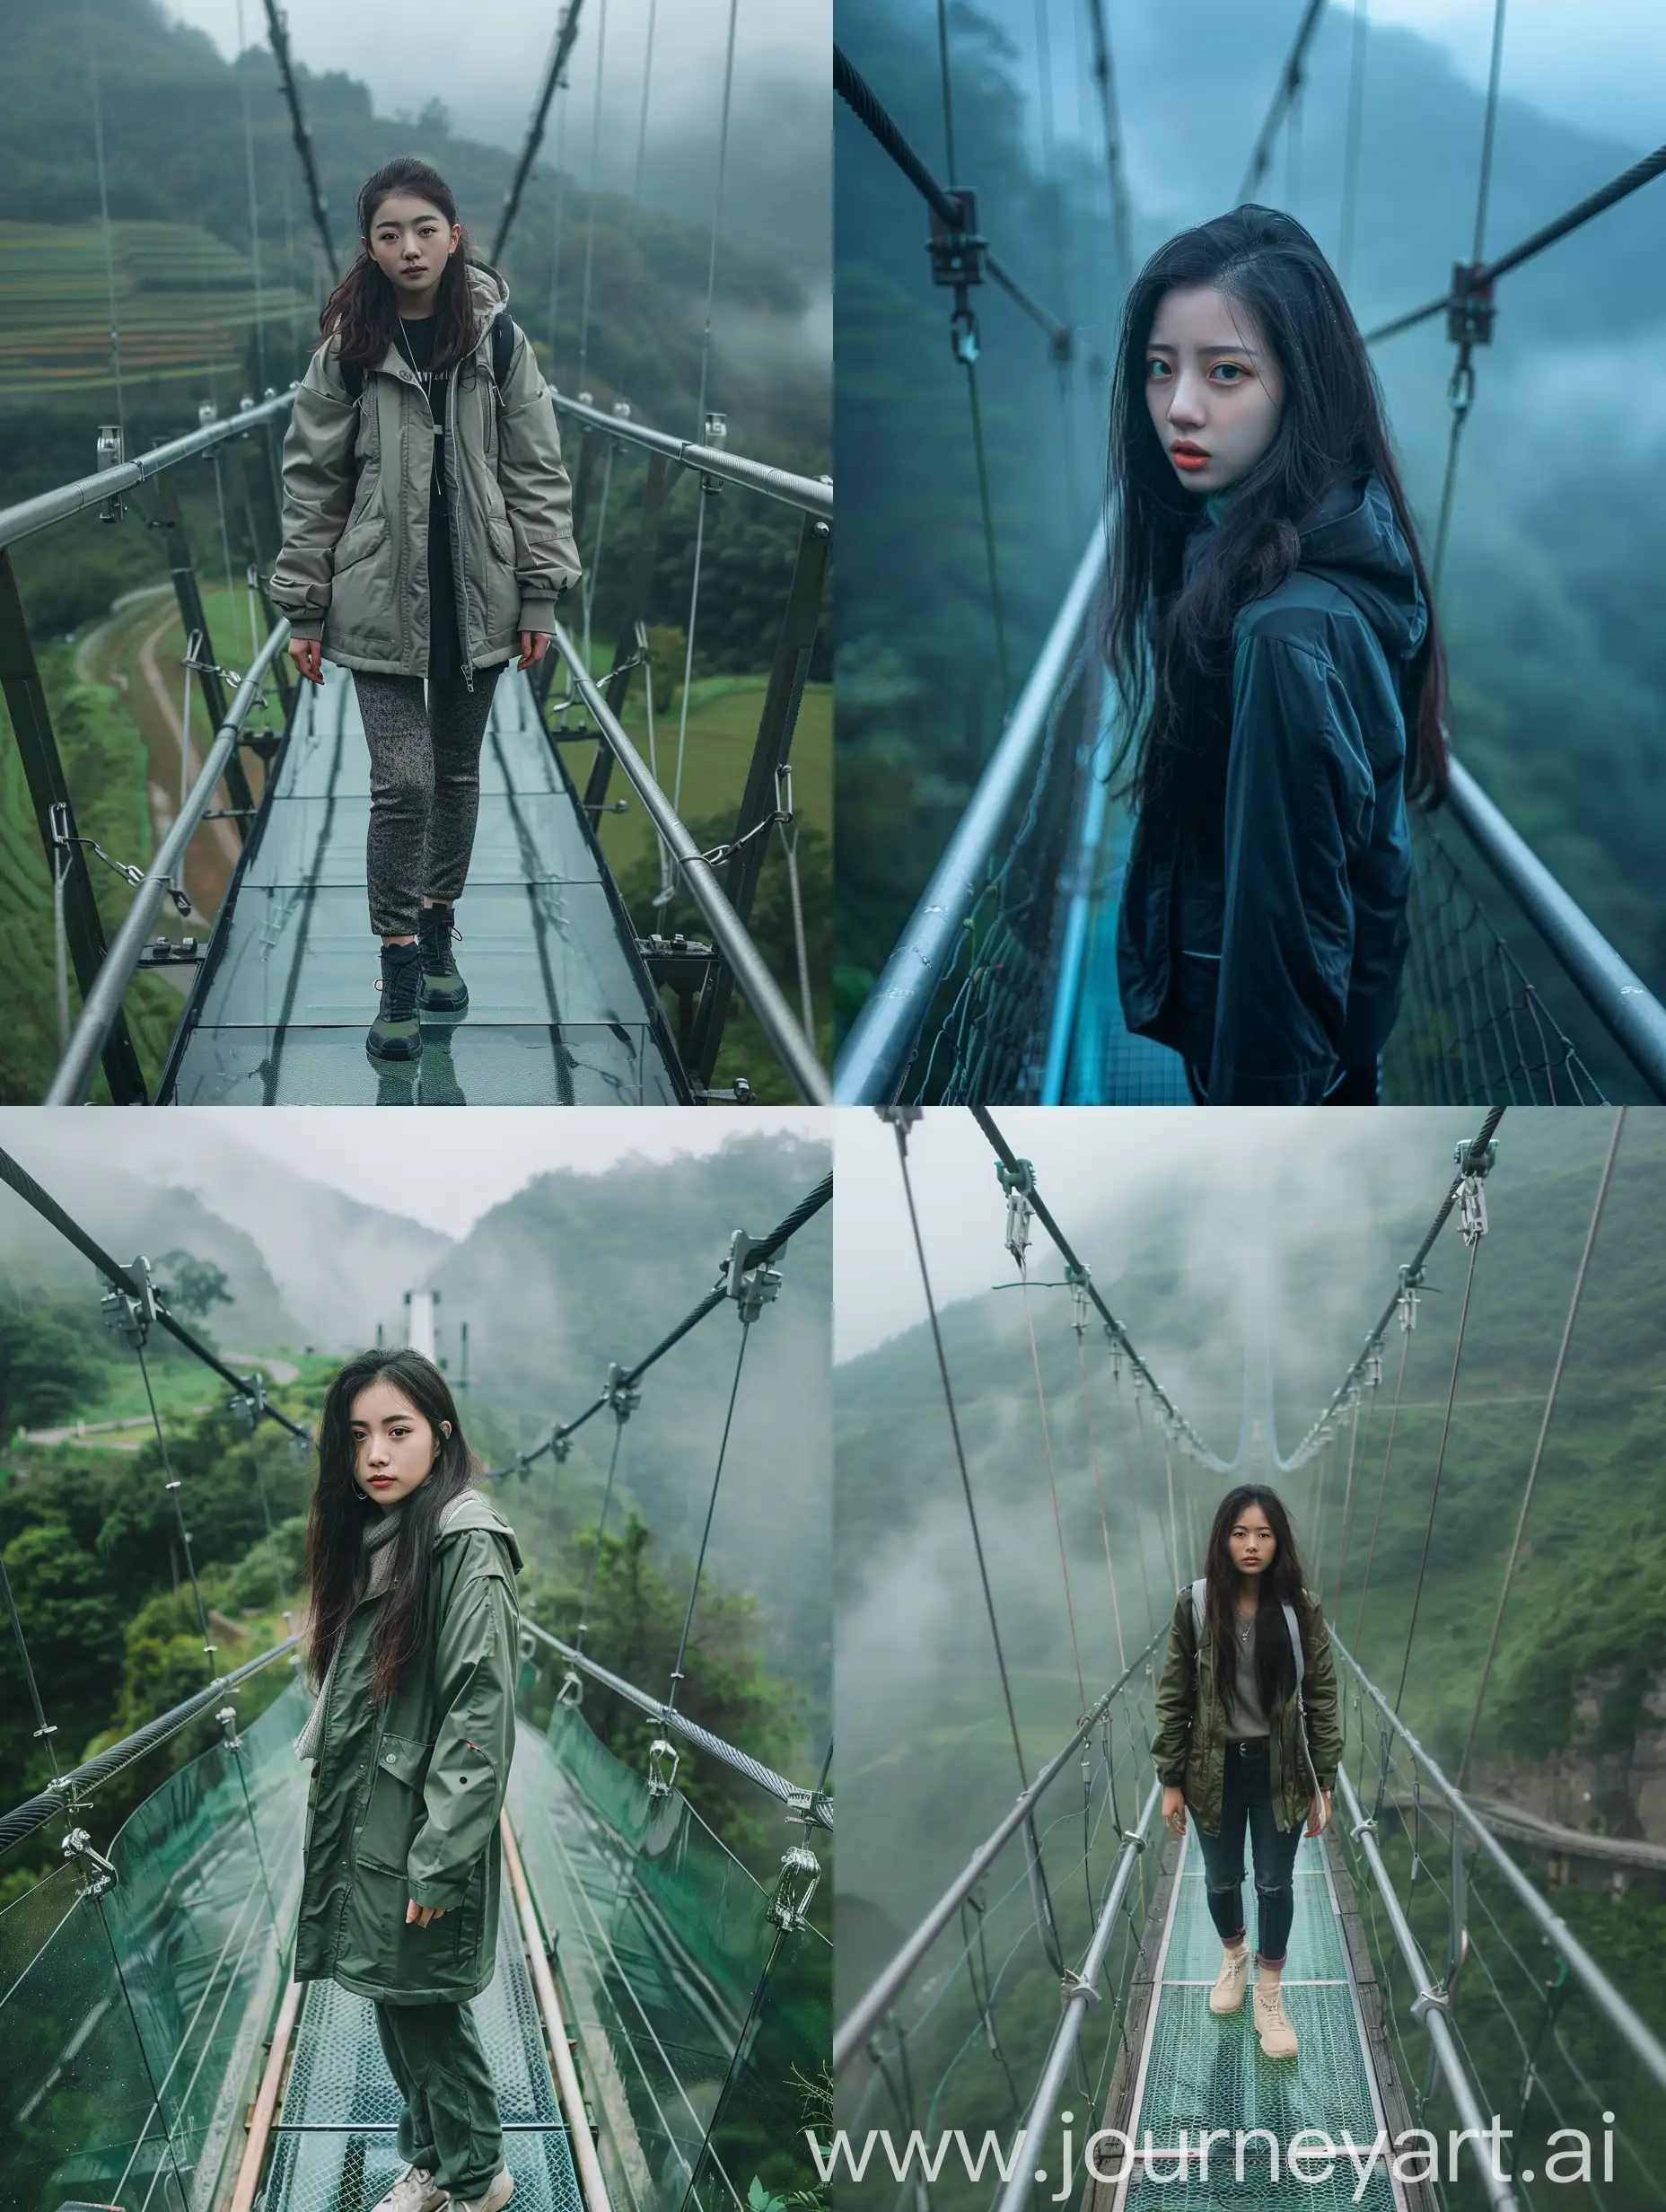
point(444, 650)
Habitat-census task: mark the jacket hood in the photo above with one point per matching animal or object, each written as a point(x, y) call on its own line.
point(1353, 541)
point(472, 1509)
point(489, 292)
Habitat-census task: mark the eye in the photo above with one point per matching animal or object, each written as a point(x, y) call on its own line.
point(1155, 368)
point(1233, 370)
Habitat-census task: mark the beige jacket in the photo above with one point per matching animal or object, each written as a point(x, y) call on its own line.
point(357, 474)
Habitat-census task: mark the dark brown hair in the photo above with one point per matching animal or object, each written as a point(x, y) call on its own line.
point(365, 307)
point(1169, 638)
point(1278, 1584)
point(336, 1569)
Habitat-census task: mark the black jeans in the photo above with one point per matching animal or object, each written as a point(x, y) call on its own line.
point(1356, 1086)
point(1246, 1801)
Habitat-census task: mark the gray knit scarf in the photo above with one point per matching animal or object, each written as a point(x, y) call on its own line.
point(376, 1540)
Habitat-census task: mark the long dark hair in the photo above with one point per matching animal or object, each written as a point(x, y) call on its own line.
point(1170, 644)
point(336, 1519)
point(364, 306)
point(1278, 1584)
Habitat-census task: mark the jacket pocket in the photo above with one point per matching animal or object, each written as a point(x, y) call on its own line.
point(394, 1811)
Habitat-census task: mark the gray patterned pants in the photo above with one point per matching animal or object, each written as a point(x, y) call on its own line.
point(425, 789)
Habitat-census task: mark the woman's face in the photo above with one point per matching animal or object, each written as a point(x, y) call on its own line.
point(412, 241)
point(394, 1447)
point(1214, 391)
point(1252, 1542)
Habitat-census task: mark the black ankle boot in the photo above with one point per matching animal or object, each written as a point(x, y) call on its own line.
point(443, 990)
point(396, 1033)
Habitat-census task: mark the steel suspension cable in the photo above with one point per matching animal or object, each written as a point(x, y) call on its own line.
point(582, 1622)
point(44, 1728)
point(171, 1485)
point(109, 258)
point(1543, 1430)
point(1099, 1488)
point(1052, 1478)
point(1127, 1456)
point(1347, 1506)
point(1351, 144)
point(1290, 83)
point(1440, 1462)
point(592, 185)
point(1462, 390)
point(1104, 78)
point(554, 80)
point(15, 1174)
point(277, 33)
point(711, 1508)
point(254, 206)
point(1382, 1485)
point(899, 1121)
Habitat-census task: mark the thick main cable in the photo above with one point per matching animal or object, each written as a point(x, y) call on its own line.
point(1052, 1478)
point(12, 1172)
point(1289, 85)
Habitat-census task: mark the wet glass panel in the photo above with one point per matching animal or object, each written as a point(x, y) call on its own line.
point(537, 838)
point(577, 1064)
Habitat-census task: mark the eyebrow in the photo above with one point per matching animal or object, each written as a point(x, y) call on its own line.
point(1153, 345)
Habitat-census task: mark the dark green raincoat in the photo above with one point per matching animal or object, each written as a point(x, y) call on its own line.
point(406, 1800)
point(1191, 1746)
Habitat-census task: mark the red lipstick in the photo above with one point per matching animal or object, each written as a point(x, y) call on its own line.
point(1186, 455)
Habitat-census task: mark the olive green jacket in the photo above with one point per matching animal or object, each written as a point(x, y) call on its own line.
point(405, 1800)
point(1191, 1746)
point(353, 570)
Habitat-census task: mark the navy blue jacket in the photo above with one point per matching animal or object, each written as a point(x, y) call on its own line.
point(1271, 957)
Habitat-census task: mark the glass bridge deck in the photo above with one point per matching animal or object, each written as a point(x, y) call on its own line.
point(1197, 2070)
point(561, 1010)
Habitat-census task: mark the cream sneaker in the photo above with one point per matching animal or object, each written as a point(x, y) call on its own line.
point(1278, 2038)
point(1228, 1993)
point(497, 2195)
point(414, 2191)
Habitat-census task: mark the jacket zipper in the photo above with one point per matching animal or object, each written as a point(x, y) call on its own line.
point(455, 524)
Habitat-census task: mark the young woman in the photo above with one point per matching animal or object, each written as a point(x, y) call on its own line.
point(427, 532)
point(1236, 1744)
point(1283, 685)
point(413, 1622)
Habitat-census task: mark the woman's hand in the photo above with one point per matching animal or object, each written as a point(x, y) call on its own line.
point(308, 654)
point(1318, 1812)
point(1174, 1811)
point(423, 1914)
point(532, 646)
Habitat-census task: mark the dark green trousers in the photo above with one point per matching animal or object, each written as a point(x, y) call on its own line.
point(449, 2124)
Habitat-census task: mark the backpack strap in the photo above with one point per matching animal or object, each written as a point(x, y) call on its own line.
point(503, 335)
point(1198, 1590)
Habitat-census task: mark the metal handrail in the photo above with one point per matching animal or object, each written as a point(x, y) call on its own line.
point(865, 2015)
point(808, 1803)
point(103, 1002)
point(92, 491)
point(809, 494)
point(35, 1811)
point(1447, 2056)
point(728, 932)
point(882, 1038)
point(1645, 2043)
point(1624, 1005)
point(1080, 1991)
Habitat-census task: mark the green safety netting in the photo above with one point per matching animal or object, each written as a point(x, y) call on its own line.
point(702, 2026)
point(130, 2021)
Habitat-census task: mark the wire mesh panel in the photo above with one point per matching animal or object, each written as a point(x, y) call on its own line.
point(130, 2019)
point(692, 2017)
point(958, 2057)
point(1473, 1028)
point(1541, 2053)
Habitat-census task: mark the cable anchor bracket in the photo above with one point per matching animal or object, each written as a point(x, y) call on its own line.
point(957, 254)
point(78, 1845)
point(751, 1283)
point(1019, 1182)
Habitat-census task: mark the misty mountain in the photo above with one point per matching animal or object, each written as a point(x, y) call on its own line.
point(1301, 1250)
point(577, 1271)
point(1558, 669)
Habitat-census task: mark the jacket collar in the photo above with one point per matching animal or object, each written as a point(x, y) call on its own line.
point(488, 291)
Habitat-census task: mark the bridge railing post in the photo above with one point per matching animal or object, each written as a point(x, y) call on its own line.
point(54, 818)
point(636, 613)
point(169, 520)
point(761, 804)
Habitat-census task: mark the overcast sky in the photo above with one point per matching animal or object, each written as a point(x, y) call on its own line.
point(440, 1169)
point(485, 60)
point(1087, 1159)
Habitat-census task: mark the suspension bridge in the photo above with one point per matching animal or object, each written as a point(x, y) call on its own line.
point(1057, 1990)
point(657, 2016)
point(1002, 984)
point(576, 998)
